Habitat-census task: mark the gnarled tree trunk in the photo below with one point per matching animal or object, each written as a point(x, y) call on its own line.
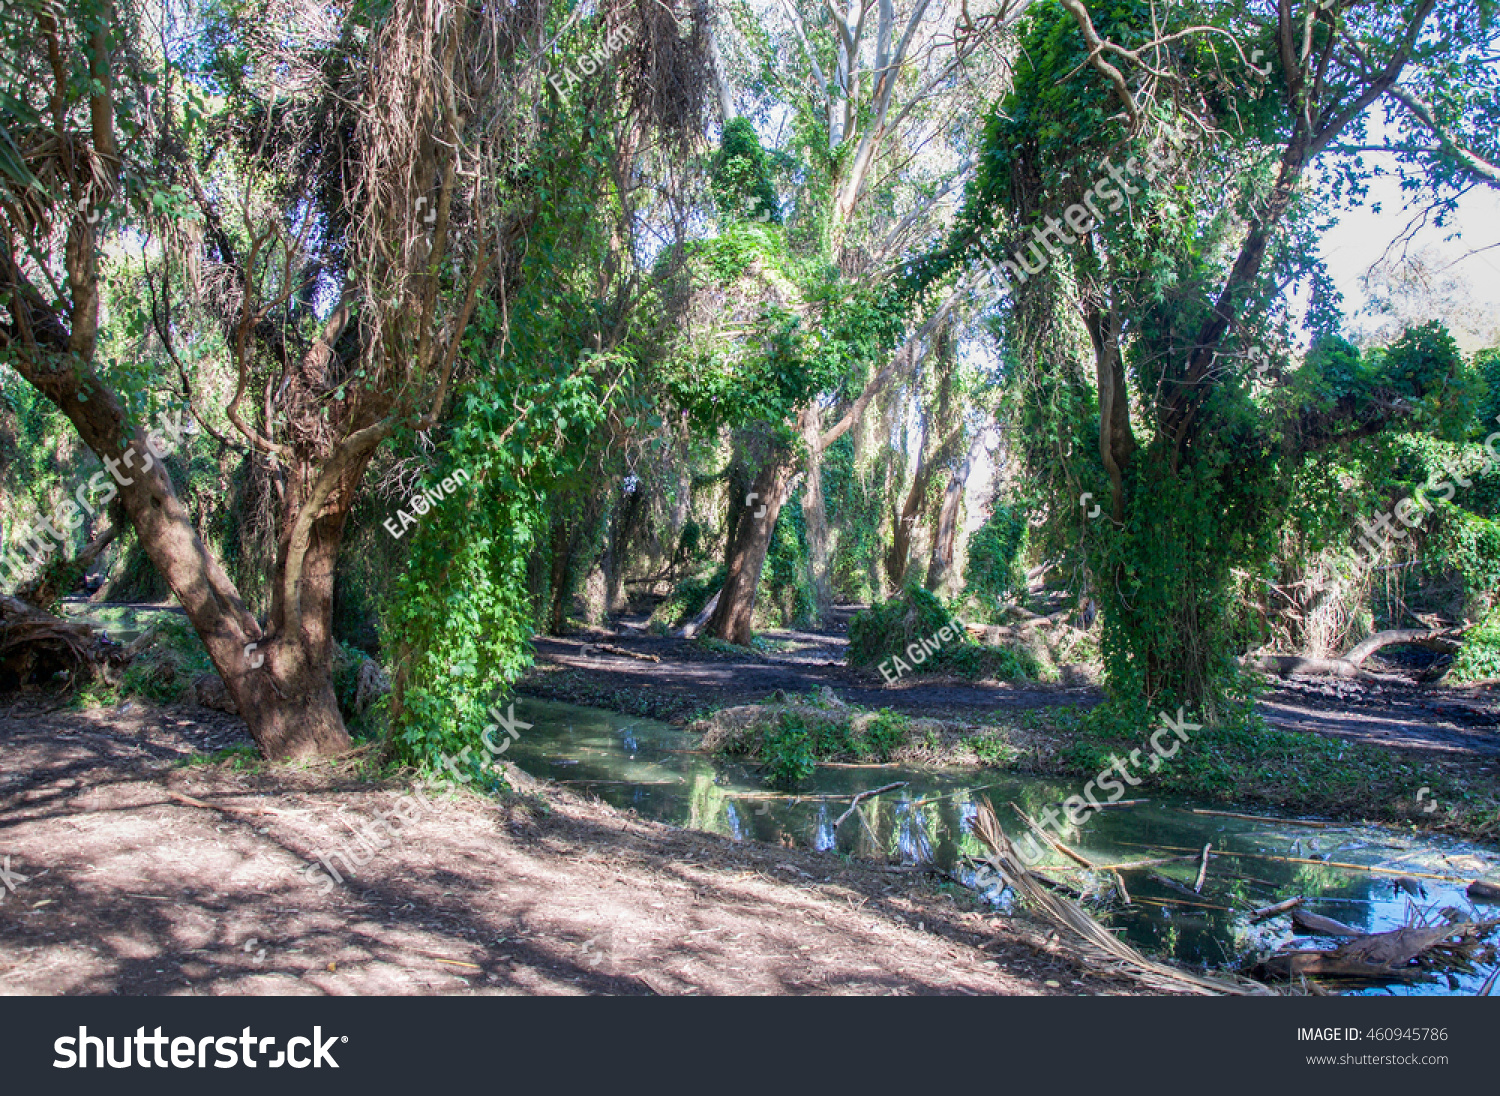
point(752, 521)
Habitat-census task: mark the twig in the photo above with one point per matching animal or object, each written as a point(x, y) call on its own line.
point(866, 795)
point(1259, 818)
point(1324, 864)
point(1136, 865)
point(1489, 983)
point(1271, 911)
point(1181, 902)
point(1058, 845)
point(1202, 870)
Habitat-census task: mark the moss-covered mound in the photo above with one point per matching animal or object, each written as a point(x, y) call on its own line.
point(791, 735)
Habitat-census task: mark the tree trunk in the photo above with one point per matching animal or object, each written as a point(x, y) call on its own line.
point(947, 527)
point(61, 575)
point(627, 518)
point(751, 522)
point(815, 514)
point(899, 554)
point(562, 552)
point(280, 679)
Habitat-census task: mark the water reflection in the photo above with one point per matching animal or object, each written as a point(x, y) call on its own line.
point(653, 769)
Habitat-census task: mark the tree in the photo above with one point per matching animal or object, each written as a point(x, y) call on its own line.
point(870, 96)
point(370, 163)
point(1168, 214)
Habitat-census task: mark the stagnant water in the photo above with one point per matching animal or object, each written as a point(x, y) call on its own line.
point(655, 770)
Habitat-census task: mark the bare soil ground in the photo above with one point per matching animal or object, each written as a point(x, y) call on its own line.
point(689, 679)
point(131, 872)
point(1444, 722)
point(135, 874)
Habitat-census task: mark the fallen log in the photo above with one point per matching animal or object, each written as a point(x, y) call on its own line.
point(35, 646)
point(610, 648)
point(690, 629)
point(1323, 926)
point(1293, 665)
point(1351, 663)
point(1380, 955)
point(997, 635)
point(1484, 892)
point(1443, 640)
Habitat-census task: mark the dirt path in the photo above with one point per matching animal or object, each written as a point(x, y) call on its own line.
point(135, 875)
point(688, 679)
point(1442, 721)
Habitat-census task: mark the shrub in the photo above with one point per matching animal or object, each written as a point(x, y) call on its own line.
point(787, 751)
point(164, 672)
point(995, 570)
point(889, 629)
point(1479, 658)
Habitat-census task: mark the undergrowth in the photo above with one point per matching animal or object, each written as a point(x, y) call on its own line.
point(897, 628)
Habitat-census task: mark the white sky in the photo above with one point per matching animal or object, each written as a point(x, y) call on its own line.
point(1362, 238)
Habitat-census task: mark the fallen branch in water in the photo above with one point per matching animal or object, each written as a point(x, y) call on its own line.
point(1384, 955)
point(1094, 941)
point(1268, 912)
point(866, 795)
point(1319, 863)
point(1165, 902)
point(1487, 892)
point(1323, 926)
point(1259, 818)
point(1057, 845)
point(1137, 865)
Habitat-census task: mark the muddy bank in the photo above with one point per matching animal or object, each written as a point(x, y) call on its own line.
point(679, 680)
